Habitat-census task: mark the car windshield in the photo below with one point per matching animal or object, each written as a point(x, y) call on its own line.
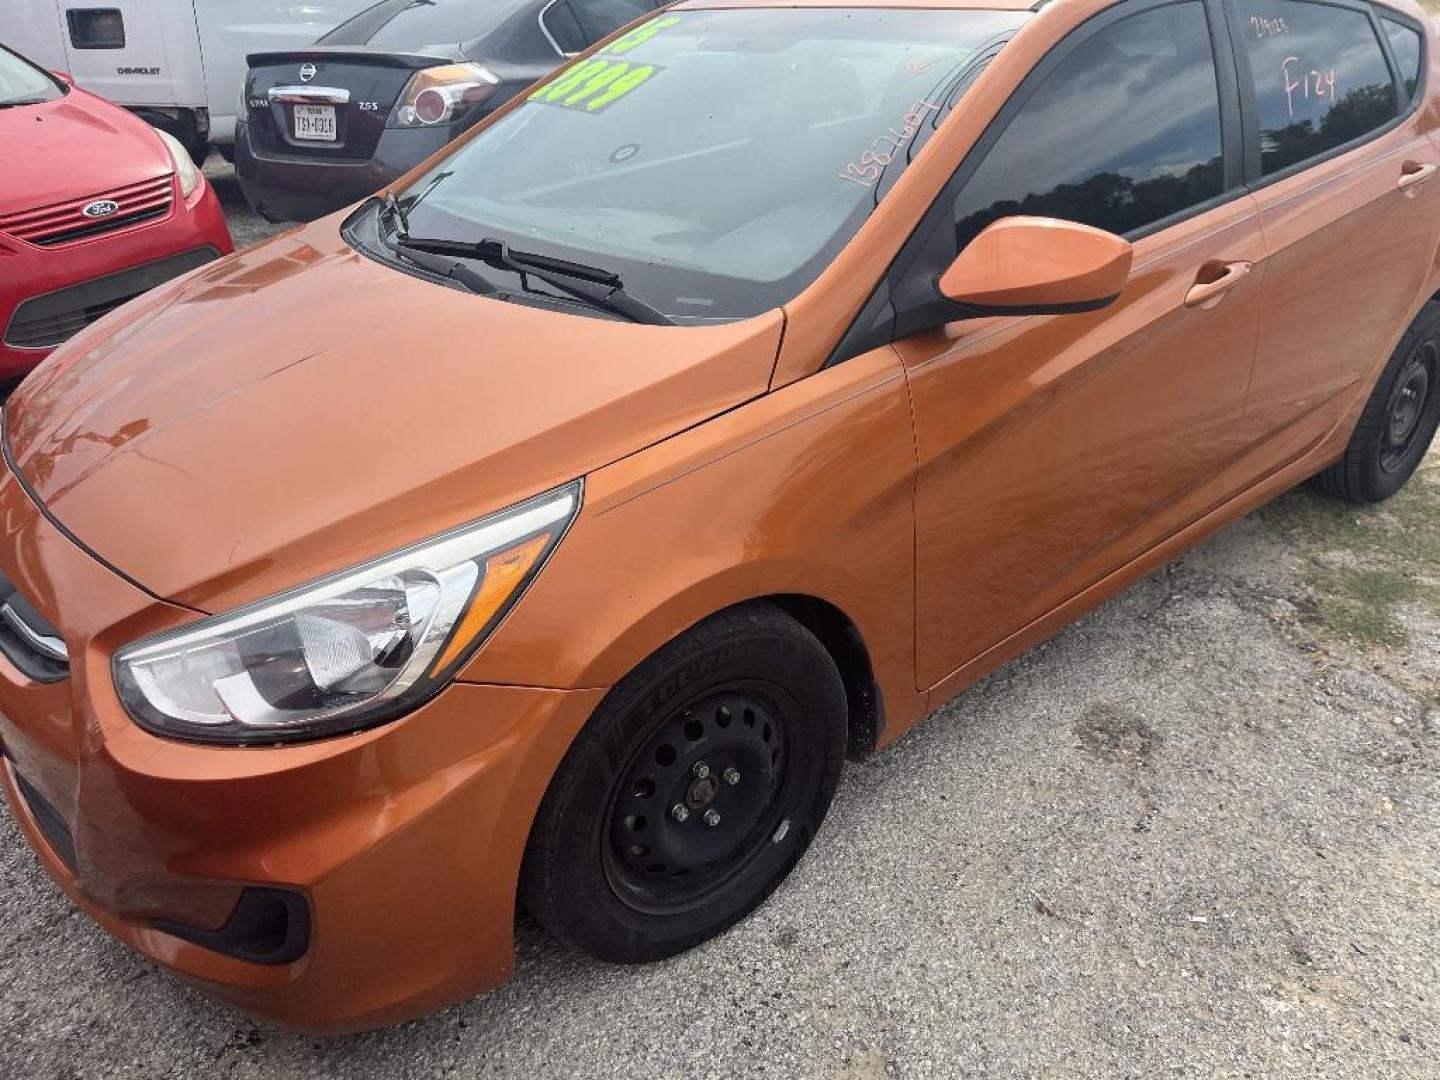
point(413, 24)
point(21, 83)
point(715, 160)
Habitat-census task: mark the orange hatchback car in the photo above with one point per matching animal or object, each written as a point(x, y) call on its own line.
point(550, 529)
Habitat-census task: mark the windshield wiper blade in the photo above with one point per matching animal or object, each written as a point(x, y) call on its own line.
point(435, 262)
point(557, 273)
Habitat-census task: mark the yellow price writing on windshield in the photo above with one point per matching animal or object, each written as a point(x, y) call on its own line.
point(593, 85)
point(641, 34)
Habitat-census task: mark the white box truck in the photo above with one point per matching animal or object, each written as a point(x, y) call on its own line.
point(178, 63)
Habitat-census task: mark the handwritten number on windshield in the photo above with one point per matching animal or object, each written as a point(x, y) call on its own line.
point(871, 165)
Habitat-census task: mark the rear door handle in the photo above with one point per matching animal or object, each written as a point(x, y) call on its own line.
point(1207, 294)
point(1412, 174)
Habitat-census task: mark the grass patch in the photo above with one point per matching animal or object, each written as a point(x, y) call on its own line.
point(1360, 604)
point(1363, 562)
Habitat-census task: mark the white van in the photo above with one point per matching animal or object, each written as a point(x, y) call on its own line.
point(178, 63)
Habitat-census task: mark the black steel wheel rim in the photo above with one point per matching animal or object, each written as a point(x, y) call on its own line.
point(702, 798)
point(1409, 405)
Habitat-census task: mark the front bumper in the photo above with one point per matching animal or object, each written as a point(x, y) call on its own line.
point(294, 187)
point(82, 278)
point(402, 843)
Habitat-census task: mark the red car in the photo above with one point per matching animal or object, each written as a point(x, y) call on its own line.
point(96, 207)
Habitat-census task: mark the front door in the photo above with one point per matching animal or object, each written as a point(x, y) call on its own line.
point(1052, 449)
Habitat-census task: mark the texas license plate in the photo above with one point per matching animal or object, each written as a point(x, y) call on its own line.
point(315, 122)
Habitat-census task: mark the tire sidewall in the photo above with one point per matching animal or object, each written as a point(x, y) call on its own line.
point(1378, 484)
point(778, 652)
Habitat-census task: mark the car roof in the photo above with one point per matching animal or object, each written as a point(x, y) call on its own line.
point(963, 5)
point(1407, 7)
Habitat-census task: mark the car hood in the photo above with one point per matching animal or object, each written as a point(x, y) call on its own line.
point(74, 146)
point(299, 408)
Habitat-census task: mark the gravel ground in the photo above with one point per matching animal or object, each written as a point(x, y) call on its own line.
point(246, 226)
point(1195, 834)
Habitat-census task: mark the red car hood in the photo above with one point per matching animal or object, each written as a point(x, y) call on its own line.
point(74, 146)
point(298, 408)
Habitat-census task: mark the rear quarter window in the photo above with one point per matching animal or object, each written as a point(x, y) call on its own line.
point(575, 25)
point(1405, 44)
point(1321, 78)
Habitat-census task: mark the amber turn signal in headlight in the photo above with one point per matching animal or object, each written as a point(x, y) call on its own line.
point(350, 651)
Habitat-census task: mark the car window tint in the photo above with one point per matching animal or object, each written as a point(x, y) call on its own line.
point(411, 24)
point(1405, 43)
point(577, 24)
point(1320, 74)
point(597, 18)
point(564, 29)
point(1123, 132)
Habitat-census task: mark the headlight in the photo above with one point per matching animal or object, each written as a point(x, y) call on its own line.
point(347, 652)
point(436, 95)
point(184, 167)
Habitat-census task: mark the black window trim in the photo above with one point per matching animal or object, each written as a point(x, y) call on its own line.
point(1400, 18)
point(1255, 178)
point(878, 322)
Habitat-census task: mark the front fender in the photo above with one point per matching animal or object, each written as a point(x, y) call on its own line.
point(808, 490)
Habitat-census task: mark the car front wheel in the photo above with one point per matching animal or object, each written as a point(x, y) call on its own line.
point(692, 792)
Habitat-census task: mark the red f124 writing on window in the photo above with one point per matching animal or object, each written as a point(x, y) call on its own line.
point(1314, 83)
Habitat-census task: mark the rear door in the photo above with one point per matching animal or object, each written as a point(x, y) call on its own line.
point(1345, 178)
point(1053, 449)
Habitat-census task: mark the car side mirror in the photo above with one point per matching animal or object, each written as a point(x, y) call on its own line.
point(1038, 266)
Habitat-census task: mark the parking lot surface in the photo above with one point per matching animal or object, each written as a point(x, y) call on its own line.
point(1197, 834)
point(246, 226)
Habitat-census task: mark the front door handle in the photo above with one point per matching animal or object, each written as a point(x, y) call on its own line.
point(1412, 174)
point(1206, 294)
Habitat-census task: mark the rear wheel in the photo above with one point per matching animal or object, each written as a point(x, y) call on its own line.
point(694, 789)
point(1399, 421)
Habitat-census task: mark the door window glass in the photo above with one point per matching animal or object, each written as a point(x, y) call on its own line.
point(1123, 132)
point(1320, 74)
